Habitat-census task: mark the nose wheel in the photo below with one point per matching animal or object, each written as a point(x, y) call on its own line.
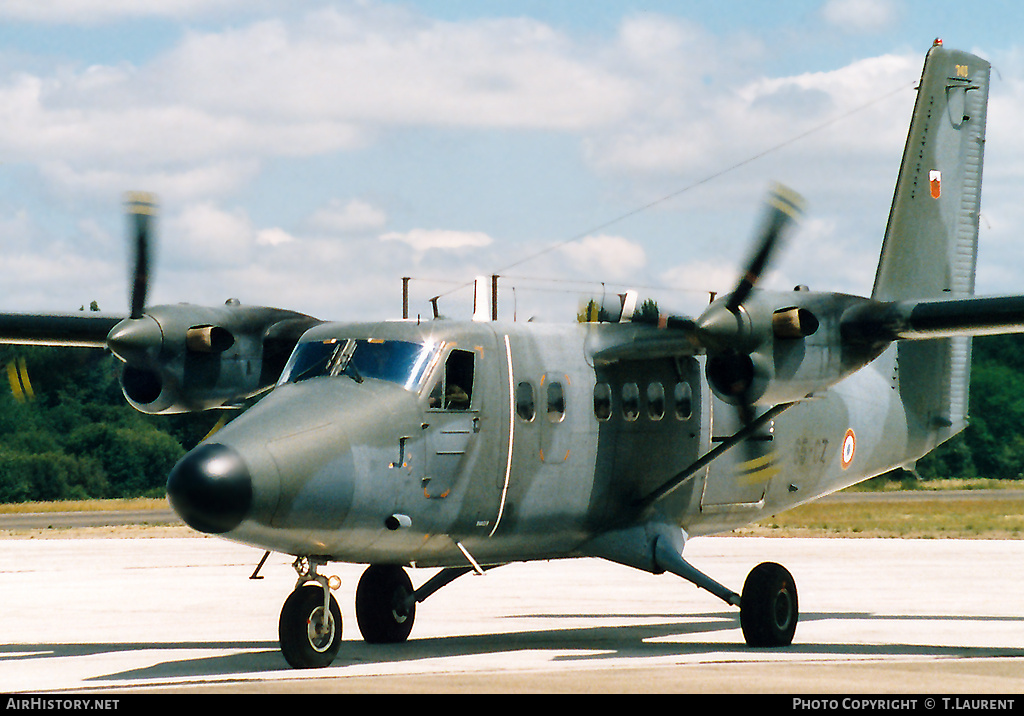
point(310, 624)
point(310, 634)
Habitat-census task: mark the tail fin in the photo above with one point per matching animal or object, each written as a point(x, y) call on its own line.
point(931, 240)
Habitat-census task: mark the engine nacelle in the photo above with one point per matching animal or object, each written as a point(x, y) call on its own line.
point(781, 347)
point(187, 358)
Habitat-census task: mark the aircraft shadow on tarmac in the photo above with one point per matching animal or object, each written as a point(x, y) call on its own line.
point(648, 640)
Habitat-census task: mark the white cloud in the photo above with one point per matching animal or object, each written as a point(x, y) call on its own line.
point(612, 257)
point(118, 121)
point(204, 235)
point(354, 216)
point(375, 68)
point(427, 239)
point(99, 11)
point(173, 185)
point(219, 103)
point(274, 236)
point(861, 15)
point(846, 110)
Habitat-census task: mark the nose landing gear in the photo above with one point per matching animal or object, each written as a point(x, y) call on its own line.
point(310, 624)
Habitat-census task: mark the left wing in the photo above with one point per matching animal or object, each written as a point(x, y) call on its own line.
point(88, 330)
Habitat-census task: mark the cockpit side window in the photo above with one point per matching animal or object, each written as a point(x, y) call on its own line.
point(454, 391)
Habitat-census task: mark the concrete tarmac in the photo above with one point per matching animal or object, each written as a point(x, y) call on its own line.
point(180, 614)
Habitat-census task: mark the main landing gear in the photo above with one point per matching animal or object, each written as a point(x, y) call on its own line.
point(385, 609)
point(768, 605)
point(310, 625)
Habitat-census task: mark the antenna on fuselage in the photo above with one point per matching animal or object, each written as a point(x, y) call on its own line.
point(480, 302)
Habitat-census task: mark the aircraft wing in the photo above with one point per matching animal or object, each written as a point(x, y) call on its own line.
point(642, 341)
point(917, 320)
point(74, 329)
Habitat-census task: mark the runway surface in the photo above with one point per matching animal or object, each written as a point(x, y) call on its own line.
point(181, 614)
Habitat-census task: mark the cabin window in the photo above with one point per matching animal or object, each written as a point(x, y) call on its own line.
point(603, 401)
point(556, 402)
point(630, 401)
point(655, 401)
point(526, 401)
point(683, 398)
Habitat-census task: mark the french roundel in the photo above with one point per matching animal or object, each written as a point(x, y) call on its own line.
point(849, 448)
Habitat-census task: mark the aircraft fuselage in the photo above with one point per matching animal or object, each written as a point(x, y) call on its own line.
point(544, 449)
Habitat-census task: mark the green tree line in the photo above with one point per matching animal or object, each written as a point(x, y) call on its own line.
point(992, 446)
point(67, 433)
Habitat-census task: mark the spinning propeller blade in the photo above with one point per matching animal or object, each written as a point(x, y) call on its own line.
point(141, 212)
point(132, 340)
point(784, 206)
point(721, 329)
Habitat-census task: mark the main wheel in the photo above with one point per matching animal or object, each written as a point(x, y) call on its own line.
point(381, 610)
point(310, 637)
point(768, 606)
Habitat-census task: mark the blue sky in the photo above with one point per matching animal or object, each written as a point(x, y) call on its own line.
point(310, 154)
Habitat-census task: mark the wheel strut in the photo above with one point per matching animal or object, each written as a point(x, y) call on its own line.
point(669, 559)
point(306, 568)
point(768, 605)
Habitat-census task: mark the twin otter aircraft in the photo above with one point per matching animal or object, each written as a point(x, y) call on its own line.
point(469, 445)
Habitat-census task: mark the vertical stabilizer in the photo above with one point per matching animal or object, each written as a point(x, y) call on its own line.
point(931, 240)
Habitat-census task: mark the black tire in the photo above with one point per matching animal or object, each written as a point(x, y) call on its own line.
point(303, 647)
point(768, 606)
point(380, 610)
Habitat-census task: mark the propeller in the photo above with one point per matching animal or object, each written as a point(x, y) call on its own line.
point(725, 329)
point(134, 338)
point(141, 212)
point(784, 206)
point(735, 367)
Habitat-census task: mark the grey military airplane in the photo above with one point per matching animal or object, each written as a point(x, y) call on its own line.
point(467, 445)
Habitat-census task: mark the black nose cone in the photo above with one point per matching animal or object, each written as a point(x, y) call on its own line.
point(211, 489)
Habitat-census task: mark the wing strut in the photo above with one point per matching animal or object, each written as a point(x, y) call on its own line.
point(708, 457)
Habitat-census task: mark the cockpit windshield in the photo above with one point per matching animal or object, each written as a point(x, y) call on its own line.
point(399, 362)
